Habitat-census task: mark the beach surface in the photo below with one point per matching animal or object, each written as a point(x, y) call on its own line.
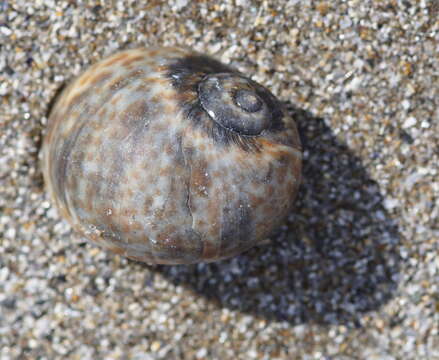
point(352, 274)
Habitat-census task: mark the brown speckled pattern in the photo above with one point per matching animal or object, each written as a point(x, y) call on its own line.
point(134, 164)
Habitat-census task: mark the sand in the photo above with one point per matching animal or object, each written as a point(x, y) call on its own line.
point(353, 273)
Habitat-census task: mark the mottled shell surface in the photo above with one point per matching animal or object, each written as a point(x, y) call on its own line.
point(167, 156)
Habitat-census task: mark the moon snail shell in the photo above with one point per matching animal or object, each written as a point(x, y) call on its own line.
point(168, 156)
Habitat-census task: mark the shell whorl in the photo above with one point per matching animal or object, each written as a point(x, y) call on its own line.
point(233, 103)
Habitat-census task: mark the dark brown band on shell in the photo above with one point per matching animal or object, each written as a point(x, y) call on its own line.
point(187, 76)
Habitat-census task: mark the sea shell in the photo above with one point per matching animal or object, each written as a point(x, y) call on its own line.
point(165, 155)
